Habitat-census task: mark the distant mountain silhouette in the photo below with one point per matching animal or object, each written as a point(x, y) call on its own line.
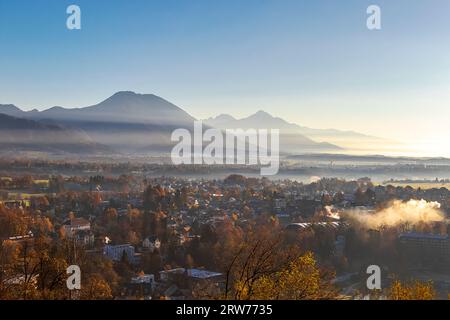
point(291, 140)
point(17, 134)
point(129, 122)
point(124, 106)
point(262, 119)
point(259, 120)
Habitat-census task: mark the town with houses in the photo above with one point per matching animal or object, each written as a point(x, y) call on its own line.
point(172, 238)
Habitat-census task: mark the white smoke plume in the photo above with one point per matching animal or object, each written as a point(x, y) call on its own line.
point(412, 212)
point(313, 179)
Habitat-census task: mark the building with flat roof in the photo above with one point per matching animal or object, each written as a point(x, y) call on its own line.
point(425, 248)
point(116, 252)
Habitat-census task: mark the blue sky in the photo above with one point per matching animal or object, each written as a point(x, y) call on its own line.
point(310, 62)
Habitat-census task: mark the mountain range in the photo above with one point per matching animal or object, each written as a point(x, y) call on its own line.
point(327, 138)
point(132, 123)
point(18, 134)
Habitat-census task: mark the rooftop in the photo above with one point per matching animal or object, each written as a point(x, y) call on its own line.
point(202, 274)
point(417, 235)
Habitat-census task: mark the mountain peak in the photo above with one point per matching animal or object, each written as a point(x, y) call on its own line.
point(129, 93)
point(261, 116)
point(9, 107)
point(133, 96)
point(262, 113)
point(223, 117)
point(129, 106)
point(11, 110)
point(124, 93)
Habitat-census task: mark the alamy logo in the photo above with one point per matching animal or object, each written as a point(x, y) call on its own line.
point(73, 282)
point(74, 20)
point(374, 20)
point(374, 280)
point(245, 147)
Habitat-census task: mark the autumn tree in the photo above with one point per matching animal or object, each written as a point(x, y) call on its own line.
point(96, 287)
point(416, 290)
point(301, 279)
point(264, 266)
point(9, 252)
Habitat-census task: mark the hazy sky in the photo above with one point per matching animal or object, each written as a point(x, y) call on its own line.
point(311, 62)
